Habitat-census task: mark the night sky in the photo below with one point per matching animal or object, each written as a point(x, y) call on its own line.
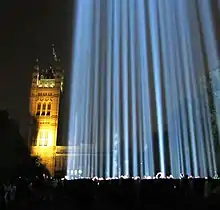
point(28, 29)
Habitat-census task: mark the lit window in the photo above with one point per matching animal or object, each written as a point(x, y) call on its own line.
point(49, 106)
point(38, 109)
point(43, 109)
point(39, 106)
point(43, 138)
point(46, 139)
point(48, 109)
point(41, 135)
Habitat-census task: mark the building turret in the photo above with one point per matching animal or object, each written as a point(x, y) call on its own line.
point(35, 74)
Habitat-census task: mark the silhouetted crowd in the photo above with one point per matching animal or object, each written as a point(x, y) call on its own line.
point(56, 194)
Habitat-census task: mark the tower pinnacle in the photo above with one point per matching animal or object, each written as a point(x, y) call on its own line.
point(54, 53)
point(37, 68)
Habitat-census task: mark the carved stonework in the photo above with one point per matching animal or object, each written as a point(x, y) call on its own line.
point(44, 107)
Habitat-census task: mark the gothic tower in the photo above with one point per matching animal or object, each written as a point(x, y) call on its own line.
point(46, 90)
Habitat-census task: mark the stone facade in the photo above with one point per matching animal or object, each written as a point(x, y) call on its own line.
point(45, 98)
point(46, 91)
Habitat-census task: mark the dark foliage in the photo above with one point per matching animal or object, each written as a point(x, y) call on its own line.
point(15, 158)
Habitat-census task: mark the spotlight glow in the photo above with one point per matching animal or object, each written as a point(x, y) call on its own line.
point(136, 71)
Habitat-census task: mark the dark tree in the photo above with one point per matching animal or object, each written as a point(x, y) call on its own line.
point(15, 158)
point(208, 85)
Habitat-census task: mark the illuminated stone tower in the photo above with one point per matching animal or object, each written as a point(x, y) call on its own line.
point(46, 90)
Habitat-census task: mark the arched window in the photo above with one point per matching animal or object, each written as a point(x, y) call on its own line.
point(48, 109)
point(38, 109)
point(43, 109)
point(43, 141)
point(46, 139)
point(39, 106)
point(49, 106)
